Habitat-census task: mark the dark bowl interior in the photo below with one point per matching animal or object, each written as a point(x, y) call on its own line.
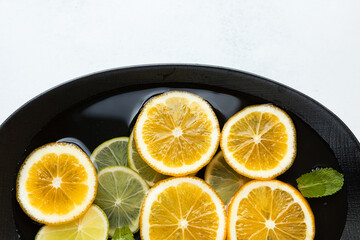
point(93, 109)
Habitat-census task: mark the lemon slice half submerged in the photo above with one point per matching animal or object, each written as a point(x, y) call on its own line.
point(92, 225)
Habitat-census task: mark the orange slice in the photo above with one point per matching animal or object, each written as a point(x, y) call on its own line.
point(56, 183)
point(263, 210)
point(177, 133)
point(183, 208)
point(259, 141)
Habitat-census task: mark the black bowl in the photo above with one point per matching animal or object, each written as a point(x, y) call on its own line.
point(104, 105)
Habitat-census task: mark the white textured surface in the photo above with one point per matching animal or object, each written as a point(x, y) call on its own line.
point(312, 46)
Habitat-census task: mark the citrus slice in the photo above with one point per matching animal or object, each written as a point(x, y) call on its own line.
point(56, 183)
point(225, 180)
point(120, 194)
point(263, 210)
point(182, 208)
point(111, 153)
point(177, 133)
point(92, 225)
point(259, 141)
point(137, 164)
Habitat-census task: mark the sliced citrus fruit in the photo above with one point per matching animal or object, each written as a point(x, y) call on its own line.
point(120, 194)
point(177, 133)
point(56, 183)
point(111, 153)
point(263, 210)
point(225, 180)
point(259, 141)
point(92, 225)
point(137, 164)
point(182, 208)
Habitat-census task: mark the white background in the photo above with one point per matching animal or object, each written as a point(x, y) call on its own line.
point(312, 46)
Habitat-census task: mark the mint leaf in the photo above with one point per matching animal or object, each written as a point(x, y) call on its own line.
point(116, 235)
point(123, 233)
point(320, 183)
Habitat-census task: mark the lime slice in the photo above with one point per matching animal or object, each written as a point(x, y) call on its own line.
point(92, 225)
point(111, 153)
point(223, 178)
point(137, 164)
point(120, 194)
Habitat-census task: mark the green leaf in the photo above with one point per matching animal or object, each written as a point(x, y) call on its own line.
point(123, 233)
point(320, 183)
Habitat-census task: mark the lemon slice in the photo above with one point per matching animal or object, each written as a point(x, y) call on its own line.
point(177, 133)
point(137, 164)
point(182, 208)
point(111, 153)
point(92, 225)
point(225, 180)
point(263, 210)
point(56, 183)
point(259, 141)
point(120, 194)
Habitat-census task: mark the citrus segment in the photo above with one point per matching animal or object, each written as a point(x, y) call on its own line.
point(182, 208)
point(225, 180)
point(92, 225)
point(111, 153)
point(137, 164)
point(56, 183)
point(177, 133)
point(120, 194)
point(272, 209)
point(259, 141)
